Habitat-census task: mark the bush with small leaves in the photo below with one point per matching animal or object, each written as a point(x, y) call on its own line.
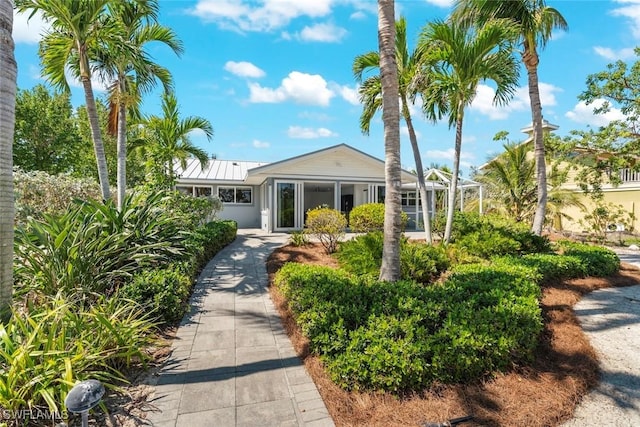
point(598, 261)
point(370, 217)
point(162, 292)
point(327, 225)
point(299, 238)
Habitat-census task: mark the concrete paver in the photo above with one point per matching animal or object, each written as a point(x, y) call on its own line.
point(232, 363)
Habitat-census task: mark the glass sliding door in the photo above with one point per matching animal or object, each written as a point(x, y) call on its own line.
point(286, 199)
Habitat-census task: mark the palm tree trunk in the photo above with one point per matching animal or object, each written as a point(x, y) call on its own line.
point(390, 269)
point(96, 134)
point(8, 75)
point(453, 185)
point(538, 140)
point(122, 153)
point(419, 170)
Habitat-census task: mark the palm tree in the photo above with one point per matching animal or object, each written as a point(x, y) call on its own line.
point(78, 26)
point(535, 22)
point(390, 268)
point(132, 71)
point(167, 140)
point(370, 96)
point(456, 59)
point(511, 191)
point(8, 76)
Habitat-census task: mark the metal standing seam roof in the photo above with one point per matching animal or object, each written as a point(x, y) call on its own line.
point(216, 170)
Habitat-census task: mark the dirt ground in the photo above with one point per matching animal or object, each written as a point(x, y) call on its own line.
point(543, 393)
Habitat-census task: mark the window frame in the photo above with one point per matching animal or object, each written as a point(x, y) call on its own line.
point(236, 189)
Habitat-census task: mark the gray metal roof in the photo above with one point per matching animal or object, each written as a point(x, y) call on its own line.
point(216, 170)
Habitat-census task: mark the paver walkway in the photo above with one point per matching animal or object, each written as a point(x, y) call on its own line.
point(232, 363)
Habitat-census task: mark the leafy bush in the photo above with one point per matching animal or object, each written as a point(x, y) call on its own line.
point(38, 194)
point(403, 336)
point(489, 235)
point(363, 255)
point(45, 349)
point(370, 217)
point(327, 225)
point(550, 266)
point(191, 212)
point(163, 292)
point(598, 261)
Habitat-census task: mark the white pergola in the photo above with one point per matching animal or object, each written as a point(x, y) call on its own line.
point(438, 179)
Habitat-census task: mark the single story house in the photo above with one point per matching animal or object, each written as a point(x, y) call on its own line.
point(276, 196)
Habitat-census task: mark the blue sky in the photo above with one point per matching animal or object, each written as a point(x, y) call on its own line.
point(274, 76)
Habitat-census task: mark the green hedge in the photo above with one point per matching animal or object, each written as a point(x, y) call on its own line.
point(598, 261)
point(163, 292)
point(420, 262)
point(552, 267)
point(209, 239)
point(404, 336)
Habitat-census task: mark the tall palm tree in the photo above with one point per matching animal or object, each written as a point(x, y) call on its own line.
point(371, 98)
point(8, 76)
point(167, 140)
point(78, 26)
point(390, 268)
point(132, 71)
point(535, 22)
point(456, 58)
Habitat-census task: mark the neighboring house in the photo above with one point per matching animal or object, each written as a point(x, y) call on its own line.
point(276, 196)
point(626, 194)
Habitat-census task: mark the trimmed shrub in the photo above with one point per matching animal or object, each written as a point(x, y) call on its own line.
point(403, 336)
point(420, 262)
point(598, 261)
point(163, 292)
point(370, 217)
point(550, 266)
point(487, 236)
point(327, 225)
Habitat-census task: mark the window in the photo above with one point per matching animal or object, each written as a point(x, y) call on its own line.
point(240, 195)
point(410, 198)
point(203, 191)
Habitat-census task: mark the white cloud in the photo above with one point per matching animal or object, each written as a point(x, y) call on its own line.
point(325, 33)
point(349, 94)
point(267, 15)
point(630, 11)
point(441, 3)
point(244, 69)
point(449, 154)
point(614, 55)
point(309, 133)
point(483, 102)
point(357, 15)
point(583, 113)
point(28, 31)
point(302, 88)
point(260, 144)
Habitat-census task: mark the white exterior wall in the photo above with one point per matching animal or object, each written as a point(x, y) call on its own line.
point(246, 215)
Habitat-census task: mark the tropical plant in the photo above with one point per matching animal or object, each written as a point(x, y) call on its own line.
point(8, 76)
point(371, 98)
point(46, 348)
point(390, 267)
point(370, 217)
point(166, 140)
point(535, 22)
point(456, 58)
point(131, 70)
point(78, 28)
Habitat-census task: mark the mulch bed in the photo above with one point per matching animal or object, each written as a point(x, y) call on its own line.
point(543, 393)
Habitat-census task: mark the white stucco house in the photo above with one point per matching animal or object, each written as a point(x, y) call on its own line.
point(276, 196)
